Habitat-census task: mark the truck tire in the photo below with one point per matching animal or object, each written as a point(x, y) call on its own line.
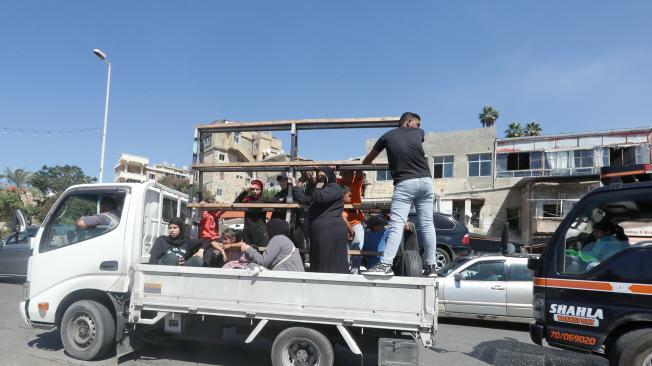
point(302, 346)
point(632, 349)
point(87, 330)
point(410, 264)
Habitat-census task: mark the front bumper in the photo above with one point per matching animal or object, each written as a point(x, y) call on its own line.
point(536, 333)
point(22, 309)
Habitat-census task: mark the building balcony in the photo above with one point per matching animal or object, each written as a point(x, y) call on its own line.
point(547, 172)
point(128, 177)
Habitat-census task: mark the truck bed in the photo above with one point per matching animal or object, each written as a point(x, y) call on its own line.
point(397, 303)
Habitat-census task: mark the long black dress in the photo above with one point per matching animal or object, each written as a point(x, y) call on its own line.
point(328, 232)
point(255, 229)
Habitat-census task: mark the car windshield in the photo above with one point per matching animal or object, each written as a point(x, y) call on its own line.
point(452, 266)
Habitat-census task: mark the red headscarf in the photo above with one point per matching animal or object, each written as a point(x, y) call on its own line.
point(260, 185)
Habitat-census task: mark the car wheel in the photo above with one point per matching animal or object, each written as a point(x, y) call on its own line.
point(442, 258)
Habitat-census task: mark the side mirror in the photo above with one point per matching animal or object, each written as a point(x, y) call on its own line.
point(533, 263)
point(457, 276)
point(20, 221)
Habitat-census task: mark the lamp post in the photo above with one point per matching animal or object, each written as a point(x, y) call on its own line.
point(102, 56)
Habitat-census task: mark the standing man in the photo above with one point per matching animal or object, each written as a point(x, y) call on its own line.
point(412, 185)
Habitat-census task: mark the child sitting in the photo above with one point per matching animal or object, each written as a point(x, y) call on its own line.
point(235, 258)
point(375, 238)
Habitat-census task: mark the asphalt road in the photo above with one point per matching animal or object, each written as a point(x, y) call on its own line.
point(459, 342)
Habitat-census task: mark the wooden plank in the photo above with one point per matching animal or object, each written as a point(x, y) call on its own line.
point(283, 165)
point(301, 124)
point(256, 206)
point(353, 252)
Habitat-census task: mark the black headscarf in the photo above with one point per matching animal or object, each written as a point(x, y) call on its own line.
point(277, 227)
point(330, 174)
point(179, 240)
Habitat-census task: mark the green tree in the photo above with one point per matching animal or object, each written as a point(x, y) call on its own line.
point(9, 202)
point(488, 116)
point(19, 177)
point(533, 129)
point(58, 178)
point(514, 130)
point(183, 185)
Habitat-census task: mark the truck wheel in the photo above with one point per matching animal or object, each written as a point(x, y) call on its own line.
point(442, 258)
point(632, 349)
point(87, 330)
point(302, 347)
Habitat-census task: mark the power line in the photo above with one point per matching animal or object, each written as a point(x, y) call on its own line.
point(47, 133)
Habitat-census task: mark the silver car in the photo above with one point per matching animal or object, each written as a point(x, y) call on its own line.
point(493, 287)
point(15, 251)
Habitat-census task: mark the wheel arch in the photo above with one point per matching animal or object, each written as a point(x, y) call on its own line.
point(84, 294)
point(636, 322)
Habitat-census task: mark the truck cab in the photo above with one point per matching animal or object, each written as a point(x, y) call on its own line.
point(593, 283)
point(93, 263)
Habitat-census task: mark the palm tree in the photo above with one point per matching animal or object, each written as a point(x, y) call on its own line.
point(533, 129)
point(514, 130)
point(19, 177)
point(488, 116)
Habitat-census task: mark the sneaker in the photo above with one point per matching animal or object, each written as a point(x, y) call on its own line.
point(430, 271)
point(380, 269)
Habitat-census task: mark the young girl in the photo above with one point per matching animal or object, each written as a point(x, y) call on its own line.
point(235, 258)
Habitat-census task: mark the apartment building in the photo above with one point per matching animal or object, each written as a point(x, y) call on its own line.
point(137, 169)
point(236, 147)
point(528, 183)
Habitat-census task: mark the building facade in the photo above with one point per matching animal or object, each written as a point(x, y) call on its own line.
point(236, 147)
point(136, 169)
point(526, 183)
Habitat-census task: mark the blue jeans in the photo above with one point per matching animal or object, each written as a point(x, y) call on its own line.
point(417, 191)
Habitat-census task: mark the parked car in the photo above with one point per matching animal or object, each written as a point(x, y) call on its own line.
point(493, 287)
point(15, 251)
point(452, 238)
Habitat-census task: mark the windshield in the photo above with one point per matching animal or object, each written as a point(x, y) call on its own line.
point(452, 266)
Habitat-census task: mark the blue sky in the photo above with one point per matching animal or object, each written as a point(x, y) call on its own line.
point(569, 65)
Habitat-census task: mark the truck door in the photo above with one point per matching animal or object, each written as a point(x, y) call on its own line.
point(152, 222)
point(71, 257)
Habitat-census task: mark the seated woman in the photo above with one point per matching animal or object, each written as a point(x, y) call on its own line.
point(280, 254)
point(175, 249)
point(610, 239)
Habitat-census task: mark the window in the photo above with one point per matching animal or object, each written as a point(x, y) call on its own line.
point(100, 213)
point(519, 272)
point(583, 158)
point(476, 207)
point(485, 271)
point(221, 157)
point(621, 156)
point(606, 225)
point(207, 140)
point(169, 209)
point(513, 216)
point(551, 210)
point(221, 175)
point(236, 137)
point(443, 223)
point(479, 165)
point(444, 166)
point(219, 192)
point(518, 161)
point(558, 160)
point(152, 176)
point(383, 175)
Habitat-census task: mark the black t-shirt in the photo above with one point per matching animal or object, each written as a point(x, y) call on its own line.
point(404, 153)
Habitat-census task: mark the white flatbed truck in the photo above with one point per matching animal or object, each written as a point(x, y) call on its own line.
point(96, 287)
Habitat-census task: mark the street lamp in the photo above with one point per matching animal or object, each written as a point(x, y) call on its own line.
point(102, 56)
